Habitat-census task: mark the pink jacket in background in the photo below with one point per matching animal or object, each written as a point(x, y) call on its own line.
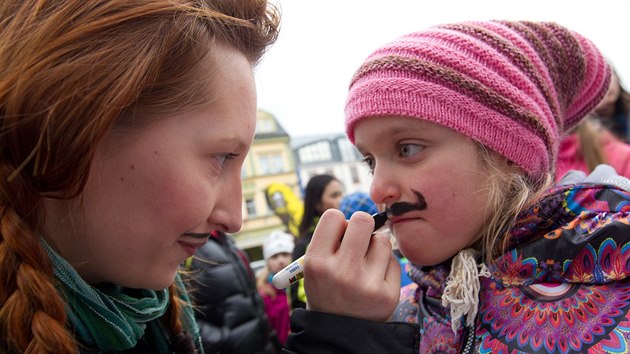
point(570, 158)
point(277, 308)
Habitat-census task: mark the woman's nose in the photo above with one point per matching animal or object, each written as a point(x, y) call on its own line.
point(227, 212)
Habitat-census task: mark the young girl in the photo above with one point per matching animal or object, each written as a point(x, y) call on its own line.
point(124, 124)
point(277, 250)
point(460, 126)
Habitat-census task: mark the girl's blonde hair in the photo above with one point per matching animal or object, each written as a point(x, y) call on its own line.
point(589, 137)
point(510, 193)
point(70, 71)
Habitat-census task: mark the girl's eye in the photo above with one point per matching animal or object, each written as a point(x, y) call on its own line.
point(369, 161)
point(409, 150)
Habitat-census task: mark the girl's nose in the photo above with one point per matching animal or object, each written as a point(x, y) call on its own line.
point(384, 187)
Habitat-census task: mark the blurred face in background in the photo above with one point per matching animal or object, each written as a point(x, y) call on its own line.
point(278, 261)
point(606, 106)
point(331, 198)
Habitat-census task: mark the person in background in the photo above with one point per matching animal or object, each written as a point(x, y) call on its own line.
point(590, 145)
point(614, 109)
point(277, 250)
point(229, 311)
point(460, 125)
point(124, 127)
point(357, 201)
point(322, 192)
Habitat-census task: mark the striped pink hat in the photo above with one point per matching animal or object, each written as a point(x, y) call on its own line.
point(515, 87)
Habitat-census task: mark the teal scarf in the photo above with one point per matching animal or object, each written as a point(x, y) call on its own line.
point(113, 317)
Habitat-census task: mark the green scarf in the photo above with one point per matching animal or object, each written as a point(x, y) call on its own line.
point(113, 317)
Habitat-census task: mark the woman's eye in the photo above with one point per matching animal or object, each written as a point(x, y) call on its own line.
point(222, 159)
point(409, 150)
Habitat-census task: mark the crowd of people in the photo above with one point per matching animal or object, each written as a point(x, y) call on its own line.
point(498, 149)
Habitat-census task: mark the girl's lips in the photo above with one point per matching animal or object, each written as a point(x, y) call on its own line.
point(395, 220)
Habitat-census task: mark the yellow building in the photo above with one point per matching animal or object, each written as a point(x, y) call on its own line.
point(270, 159)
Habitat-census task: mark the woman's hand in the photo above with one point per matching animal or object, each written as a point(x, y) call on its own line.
point(347, 272)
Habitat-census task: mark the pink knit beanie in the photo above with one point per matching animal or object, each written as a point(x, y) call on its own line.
point(515, 87)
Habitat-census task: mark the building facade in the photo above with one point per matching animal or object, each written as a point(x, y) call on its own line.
point(269, 160)
point(275, 157)
point(331, 154)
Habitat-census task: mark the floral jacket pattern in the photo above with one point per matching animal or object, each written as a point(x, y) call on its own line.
point(562, 287)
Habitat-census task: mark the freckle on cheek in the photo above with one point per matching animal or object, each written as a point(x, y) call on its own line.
point(132, 167)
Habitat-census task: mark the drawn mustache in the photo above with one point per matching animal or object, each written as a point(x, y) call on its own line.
point(401, 208)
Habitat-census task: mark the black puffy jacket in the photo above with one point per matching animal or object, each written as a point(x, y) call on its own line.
point(229, 311)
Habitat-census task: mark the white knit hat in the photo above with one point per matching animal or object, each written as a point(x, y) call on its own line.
point(277, 242)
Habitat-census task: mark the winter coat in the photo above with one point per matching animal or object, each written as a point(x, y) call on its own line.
point(277, 307)
point(562, 287)
point(229, 311)
point(296, 290)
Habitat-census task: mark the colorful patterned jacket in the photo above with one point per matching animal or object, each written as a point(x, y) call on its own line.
point(563, 288)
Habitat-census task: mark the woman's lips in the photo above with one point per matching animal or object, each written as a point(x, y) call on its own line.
point(190, 247)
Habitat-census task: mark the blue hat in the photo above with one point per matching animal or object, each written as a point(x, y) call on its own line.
point(357, 201)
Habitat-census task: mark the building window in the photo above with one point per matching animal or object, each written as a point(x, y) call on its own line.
point(251, 206)
point(265, 125)
point(271, 164)
point(316, 152)
point(354, 174)
point(347, 150)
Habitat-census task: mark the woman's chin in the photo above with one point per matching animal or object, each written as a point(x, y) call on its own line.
point(157, 283)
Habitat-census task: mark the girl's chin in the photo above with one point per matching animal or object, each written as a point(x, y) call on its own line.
point(423, 257)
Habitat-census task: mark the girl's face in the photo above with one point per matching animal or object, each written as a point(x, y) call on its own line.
point(612, 94)
point(430, 177)
point(278, 261)
point(331, 198)
point(153, 195)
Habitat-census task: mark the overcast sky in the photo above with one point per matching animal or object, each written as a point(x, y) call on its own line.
point(303, 78)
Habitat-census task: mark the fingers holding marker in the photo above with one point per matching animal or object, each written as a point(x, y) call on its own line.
point(324, 243)
point(332, 227)
point(328, 233)
point(356, 239)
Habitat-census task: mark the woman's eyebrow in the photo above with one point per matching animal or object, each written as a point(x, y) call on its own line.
point(232, 143)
